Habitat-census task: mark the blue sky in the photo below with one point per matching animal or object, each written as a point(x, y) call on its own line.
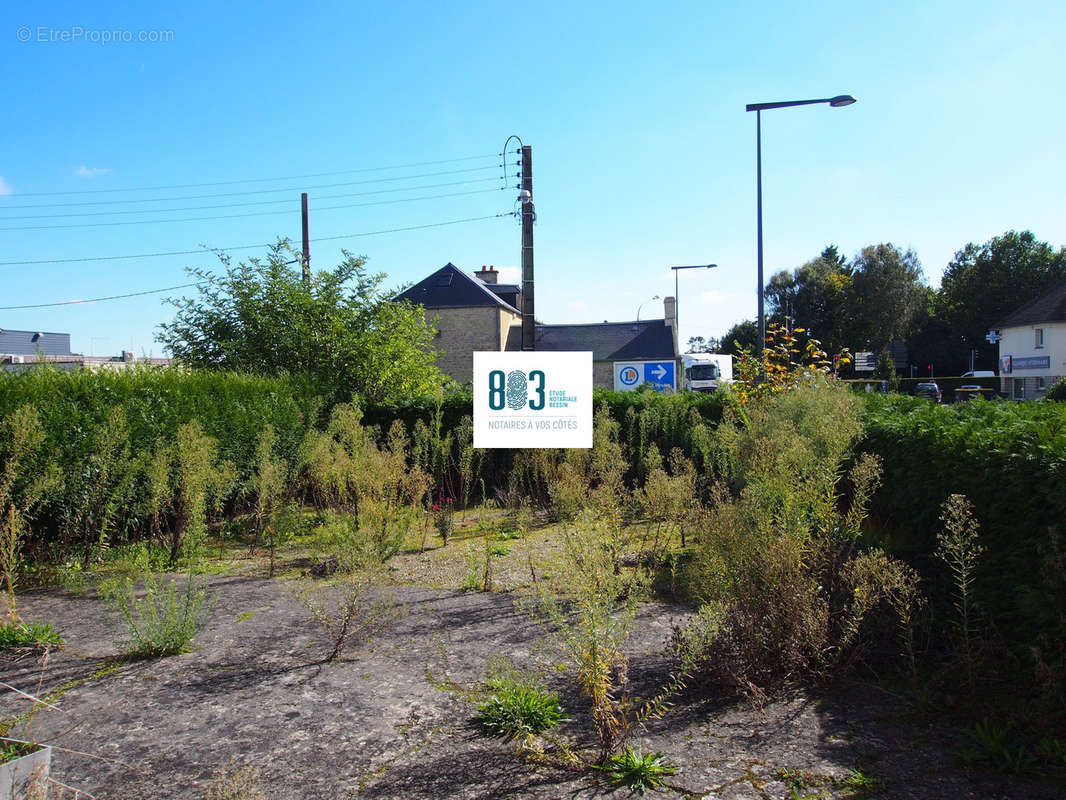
point(643, 154)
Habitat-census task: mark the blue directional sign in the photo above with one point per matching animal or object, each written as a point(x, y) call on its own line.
point(630, 375)
point(660, 374)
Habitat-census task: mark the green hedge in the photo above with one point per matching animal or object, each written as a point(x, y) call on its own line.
point(1009, 459)
point(231, 407)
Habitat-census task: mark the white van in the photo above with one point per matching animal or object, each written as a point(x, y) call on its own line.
point(981, 373)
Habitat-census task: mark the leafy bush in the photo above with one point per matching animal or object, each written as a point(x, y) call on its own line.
point(1057, 391)
point(777, 565)
point(638, 771)
point(519, 709)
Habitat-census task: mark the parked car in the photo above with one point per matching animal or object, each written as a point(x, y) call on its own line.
point(970, 391)
point(928, 389)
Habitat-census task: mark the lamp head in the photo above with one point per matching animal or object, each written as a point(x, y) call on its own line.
point(841, 100)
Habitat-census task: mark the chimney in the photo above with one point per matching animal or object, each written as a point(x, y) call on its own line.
point(488, 274)
point(670, 316)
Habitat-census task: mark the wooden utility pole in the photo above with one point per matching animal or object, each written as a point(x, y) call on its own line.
point(307, 241)
point(528, 213)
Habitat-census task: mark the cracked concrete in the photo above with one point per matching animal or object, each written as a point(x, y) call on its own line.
point(392, 718)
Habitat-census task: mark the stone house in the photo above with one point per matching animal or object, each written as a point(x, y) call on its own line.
point(475, 312)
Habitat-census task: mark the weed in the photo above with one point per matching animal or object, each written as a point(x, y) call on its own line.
point(20, 635)
point(235, 783)
point(991, 746)
point(166, 618)
point(857, 785)
point(957, 546)
point(518, 709)
point(353, 611)
point(637, 771)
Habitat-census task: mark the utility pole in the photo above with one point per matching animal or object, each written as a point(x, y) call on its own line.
point(528, 214)
point(307, 241)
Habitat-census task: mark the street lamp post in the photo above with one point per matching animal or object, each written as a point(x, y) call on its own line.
point(677, 300)
point(653, 297)
point(834, 102)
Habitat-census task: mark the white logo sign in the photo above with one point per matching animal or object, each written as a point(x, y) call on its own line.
point(530, 399)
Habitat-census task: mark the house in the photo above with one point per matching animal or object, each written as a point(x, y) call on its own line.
point(1032, 350)
point(475, 312)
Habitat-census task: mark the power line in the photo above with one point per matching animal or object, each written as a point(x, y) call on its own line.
point(248, 203)
point(239, 216)
point(201, 250)
point(98, 299)
point(254, 191)
point(261, 180)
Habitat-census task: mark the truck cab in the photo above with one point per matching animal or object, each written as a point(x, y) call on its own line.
point(705, 372)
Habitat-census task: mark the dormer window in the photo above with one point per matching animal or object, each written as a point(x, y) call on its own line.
point(445, 279)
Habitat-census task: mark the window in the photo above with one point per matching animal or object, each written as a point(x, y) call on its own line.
point(1041, 384)
point(1039, 337)
point(1019, 389)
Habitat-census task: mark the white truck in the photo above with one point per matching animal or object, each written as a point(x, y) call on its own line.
point(705, 372)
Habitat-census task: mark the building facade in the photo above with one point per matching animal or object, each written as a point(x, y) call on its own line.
point(1032, 350)
point(474, 312)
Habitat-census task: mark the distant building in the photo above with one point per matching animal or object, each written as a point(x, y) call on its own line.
point(23, 350)
point(1032, 350)
point(477, 313)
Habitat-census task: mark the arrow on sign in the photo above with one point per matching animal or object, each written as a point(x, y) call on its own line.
point(659, 371)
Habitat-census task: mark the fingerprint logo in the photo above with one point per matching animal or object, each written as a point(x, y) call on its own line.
point(516, 390)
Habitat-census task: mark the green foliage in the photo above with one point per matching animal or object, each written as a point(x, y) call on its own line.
point(341, 329)
point(271, 484)
point(1009, 459)
point(164, 618)
point(993, 746)
point(1057, 391)
point(638, 771)
point(984, 283)
point(958, 548)
point(21, 488)
point(777, 564)
point(21, 635)
point(519, 709)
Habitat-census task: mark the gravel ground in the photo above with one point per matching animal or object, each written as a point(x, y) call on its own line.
point(391, 717)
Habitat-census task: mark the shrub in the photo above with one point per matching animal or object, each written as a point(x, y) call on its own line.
point(166, 618)
point(519, 709)
point(777, 564)
point(1057, 391)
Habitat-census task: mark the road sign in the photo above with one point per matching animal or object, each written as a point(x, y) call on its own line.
point(629, 375)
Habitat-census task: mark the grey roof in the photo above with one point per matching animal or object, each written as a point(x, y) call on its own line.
point(1048, 307)
point(450, 287)
point(651, 340)
point(28, 343)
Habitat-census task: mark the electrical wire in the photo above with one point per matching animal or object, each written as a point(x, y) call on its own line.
point(246, 246)
point(98, 299)
point(240, 216)
point(249, 203)
point(261, 180)
point(251, 192)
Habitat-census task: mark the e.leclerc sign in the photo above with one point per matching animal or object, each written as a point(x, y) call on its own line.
point(531, 399)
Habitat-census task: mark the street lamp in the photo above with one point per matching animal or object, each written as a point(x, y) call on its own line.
point(835, 102)
point(653, 297)
point(677, 301)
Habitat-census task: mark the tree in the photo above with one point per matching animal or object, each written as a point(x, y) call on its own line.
point(985, 283)
point(340, 330)
point(887, 296)
point(815, 296)
point(697, 344)
point(744, 335)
